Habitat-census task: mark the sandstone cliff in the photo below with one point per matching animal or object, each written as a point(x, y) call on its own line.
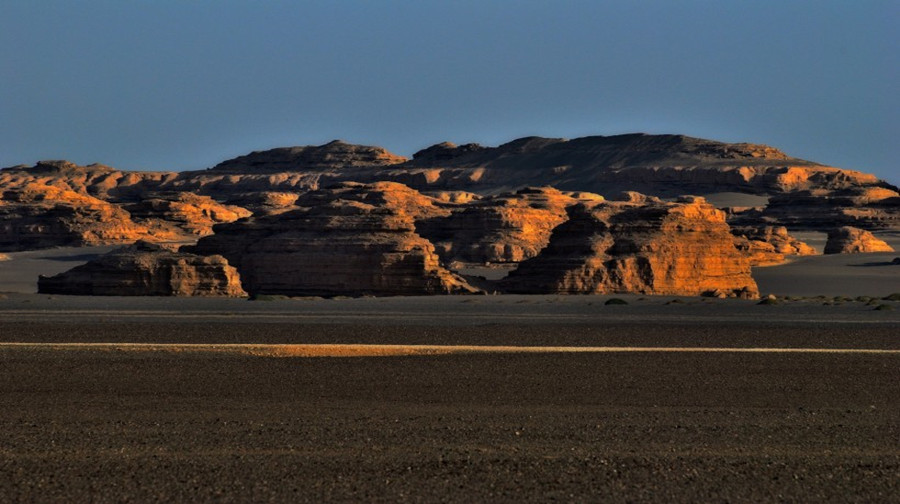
point(850, 240)
point(146, 269)
point(355, 239)
point(654, 247)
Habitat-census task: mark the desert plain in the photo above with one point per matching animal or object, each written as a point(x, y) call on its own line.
point(338, 323)
point(452, 398)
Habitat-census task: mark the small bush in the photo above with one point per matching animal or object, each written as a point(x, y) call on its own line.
point(882, 307)
point(267, 297)
point(892, 297)
point(615, 301)
point(768, 302)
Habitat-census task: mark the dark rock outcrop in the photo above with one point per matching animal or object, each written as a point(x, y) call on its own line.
point(146, 269)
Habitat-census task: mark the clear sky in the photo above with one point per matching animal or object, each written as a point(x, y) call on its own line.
point(184, 84)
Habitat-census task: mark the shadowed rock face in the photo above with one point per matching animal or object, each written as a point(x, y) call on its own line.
point(768, 245)
point(355, 239)
point(654, 247)
point(146, 269)
point(850, 240)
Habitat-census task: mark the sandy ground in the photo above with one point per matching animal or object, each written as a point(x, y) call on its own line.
point(454, 399)
point(141, 421)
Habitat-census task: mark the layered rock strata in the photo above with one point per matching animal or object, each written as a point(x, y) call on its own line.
point(652, 247)
point(851, 240)
point(355, 239)
point(146, 269)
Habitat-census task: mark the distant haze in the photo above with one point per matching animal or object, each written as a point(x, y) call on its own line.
point(178, 85)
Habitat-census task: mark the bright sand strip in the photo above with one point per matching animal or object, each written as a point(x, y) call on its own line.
point(359, 350)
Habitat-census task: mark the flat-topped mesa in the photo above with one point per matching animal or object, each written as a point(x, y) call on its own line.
point(357, 239)
point(650, 247)
point(768, 245)
point(333, 156)
point(505, 228)
point(662, 165)
point(851, 240)
point(146, 269)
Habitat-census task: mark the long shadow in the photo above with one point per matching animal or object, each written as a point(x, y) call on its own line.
point(73, 258)
point(895, 262)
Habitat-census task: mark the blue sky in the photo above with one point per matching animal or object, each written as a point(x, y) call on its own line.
point(174, 85)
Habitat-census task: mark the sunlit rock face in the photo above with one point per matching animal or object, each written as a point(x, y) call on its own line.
point(354, 239)
point(850, 240)
point(769, 245)
point(648, 247)
point(146, 269)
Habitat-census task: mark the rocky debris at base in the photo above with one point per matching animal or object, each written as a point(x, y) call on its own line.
point(147, 269)
point(851, 240)
point(655, 247)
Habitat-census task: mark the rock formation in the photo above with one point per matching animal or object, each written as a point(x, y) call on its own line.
point(850, 240)
point(190, 213)
point(768, 245)
point(870, 207)
point(146, 269)
point(654, 247)
point(39, 216)
point(355, 239)
point(505, 228)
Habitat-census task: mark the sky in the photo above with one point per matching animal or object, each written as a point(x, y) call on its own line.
point(185, 84)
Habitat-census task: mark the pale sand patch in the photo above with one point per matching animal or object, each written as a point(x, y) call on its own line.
point(370, 350)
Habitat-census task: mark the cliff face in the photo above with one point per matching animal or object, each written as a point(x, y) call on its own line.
point(652, 247)
point(356, 239)
point(145, 269)
point(505, 228)
point(850, 240)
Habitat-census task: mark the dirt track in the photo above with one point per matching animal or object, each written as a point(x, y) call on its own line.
point(652, 426)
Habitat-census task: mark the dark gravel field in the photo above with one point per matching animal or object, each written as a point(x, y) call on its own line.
point(137, 426)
